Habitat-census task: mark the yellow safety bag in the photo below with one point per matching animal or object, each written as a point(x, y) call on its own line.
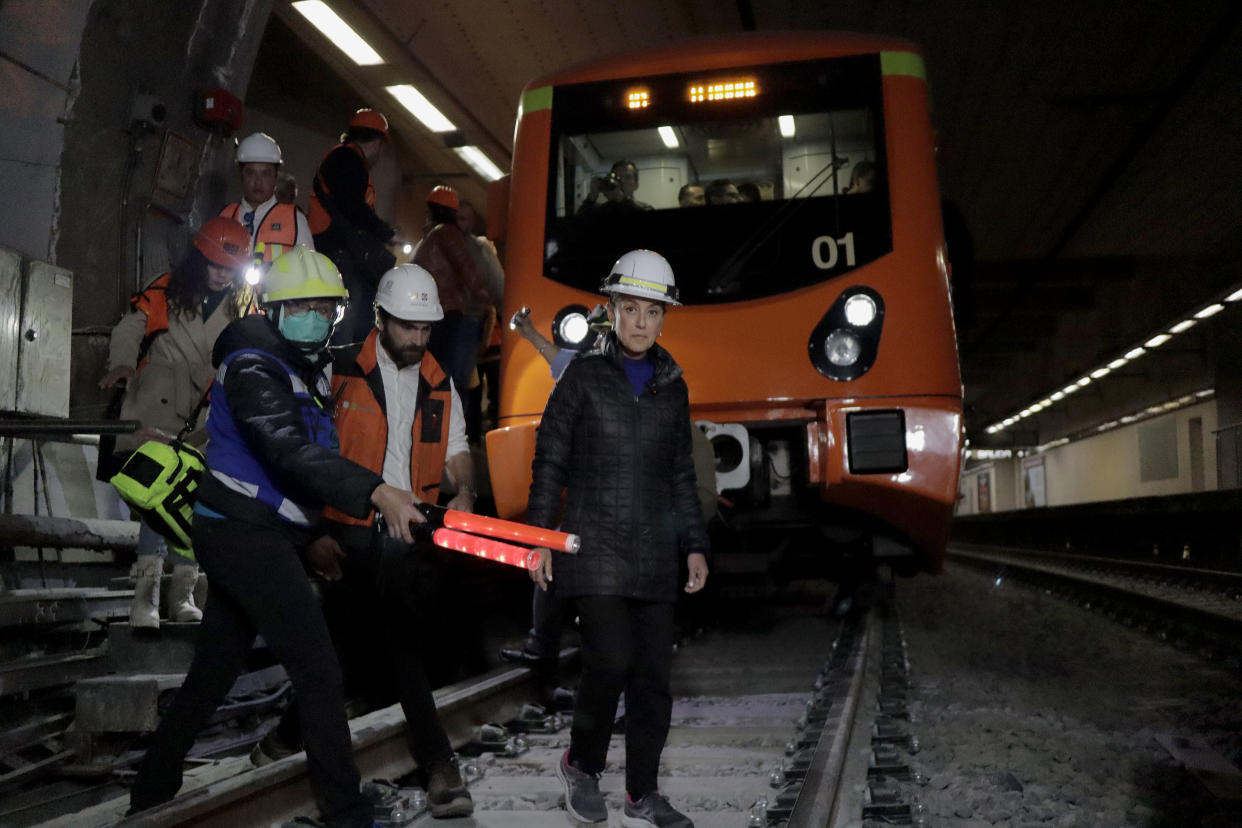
point(160, 481)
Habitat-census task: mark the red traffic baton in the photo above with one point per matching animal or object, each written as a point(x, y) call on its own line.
point(489, 548)
point(510, 530)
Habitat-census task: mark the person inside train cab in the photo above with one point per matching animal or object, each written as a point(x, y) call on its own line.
point(274, 226)
point(615, 438)
point(691, 195)
point(617, 190)
point(862, 179)
point(748, 191)
point(723, 191)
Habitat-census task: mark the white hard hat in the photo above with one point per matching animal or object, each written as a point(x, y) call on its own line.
point(642, 273)
point(409, 292)
point(259, 148)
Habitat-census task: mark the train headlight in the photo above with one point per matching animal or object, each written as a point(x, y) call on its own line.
point(860, 310)
point(570, 328)
point(845, 343)
point(574, 328)
point(842, 348)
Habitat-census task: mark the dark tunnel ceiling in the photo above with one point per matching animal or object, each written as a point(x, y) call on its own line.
point(1083, 144)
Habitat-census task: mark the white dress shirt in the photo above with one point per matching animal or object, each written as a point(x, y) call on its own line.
point(401, 399)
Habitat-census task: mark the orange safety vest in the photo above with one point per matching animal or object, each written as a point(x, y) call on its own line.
point(362, 420)
point(318, 217)
point(277, 230)
point(153, 301)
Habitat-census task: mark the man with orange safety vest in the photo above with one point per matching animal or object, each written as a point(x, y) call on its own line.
point(274, 226)
point(467, 299)
point(344, 222)
point(398, 414)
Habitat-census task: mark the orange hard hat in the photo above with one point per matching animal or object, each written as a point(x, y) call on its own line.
point(224, 241)
point(370, 119)
point(444, 196)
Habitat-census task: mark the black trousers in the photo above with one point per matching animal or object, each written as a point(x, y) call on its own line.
point(547, 620)
point(379, 616)
point(258, 586)
point(626, 645)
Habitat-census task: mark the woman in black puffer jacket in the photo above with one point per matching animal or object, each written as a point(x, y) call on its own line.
point(615, 436)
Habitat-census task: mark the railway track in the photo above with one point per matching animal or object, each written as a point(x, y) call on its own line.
point(1200, 606)
point(781, 718)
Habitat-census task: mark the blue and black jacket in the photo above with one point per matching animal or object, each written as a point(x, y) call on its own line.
point(271, 448)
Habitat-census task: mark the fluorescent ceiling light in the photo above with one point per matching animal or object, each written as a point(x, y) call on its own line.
point(338, 31)
point(1210, 310)
point(1184, 325)
point(1099, 372)
point(1072, 387)
point(479, 162)
point(1135, 354)
point(1085, 381)
point(1117, 363)
point(1206, 392)
point(1235, 296)
point(786, 123)
point(667, 136)
point(1157, 340)
point(420, 108)
point(1057, 395)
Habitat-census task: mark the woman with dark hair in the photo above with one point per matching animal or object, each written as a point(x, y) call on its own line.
point(161, 351)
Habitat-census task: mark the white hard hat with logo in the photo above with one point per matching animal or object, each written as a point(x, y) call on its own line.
point(259, 148)
point(642, 273)
point(409, 293)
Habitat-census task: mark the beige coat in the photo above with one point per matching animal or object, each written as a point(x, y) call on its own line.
point(177, 372)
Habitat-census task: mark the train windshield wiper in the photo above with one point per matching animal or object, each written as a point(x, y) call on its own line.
point(728, 277)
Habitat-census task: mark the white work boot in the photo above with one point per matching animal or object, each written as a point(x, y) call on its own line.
point(181, 594)
point(144, 611)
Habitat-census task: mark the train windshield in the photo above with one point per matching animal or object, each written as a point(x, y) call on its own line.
point(752, 182)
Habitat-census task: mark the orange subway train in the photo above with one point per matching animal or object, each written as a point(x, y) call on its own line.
point(816, 332)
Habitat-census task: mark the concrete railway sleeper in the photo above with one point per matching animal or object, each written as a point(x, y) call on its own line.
point(739, 691)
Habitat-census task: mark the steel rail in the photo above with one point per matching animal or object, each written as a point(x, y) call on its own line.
point(231, 792)
point(823, 798)
point(1196, 618)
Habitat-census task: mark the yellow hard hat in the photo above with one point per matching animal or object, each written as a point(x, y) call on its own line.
point(302, 274)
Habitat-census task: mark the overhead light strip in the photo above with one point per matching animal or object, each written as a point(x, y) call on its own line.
point(1144, 413)
point(479, 162)
point(342, 35)
point(421, 108)
point(1131, 355)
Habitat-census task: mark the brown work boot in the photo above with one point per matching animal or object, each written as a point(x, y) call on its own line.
point(446, 792)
